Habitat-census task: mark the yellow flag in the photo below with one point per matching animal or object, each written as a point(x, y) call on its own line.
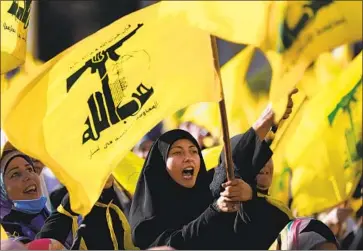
point(211, 156)
point(171, 122)
point(325, 153)
point(238, 21)
point(14, 25)
point(325, 69)
point(3, 234)
point(3, 83)
point(344, 54)
point(207, 115)
point(21, 73)
point(277, 12)
point(307, 27)
point(243, 106)
point(245, 99)
point(282, 173)
point(310, 28)
point(128, 171)
point(91, 107)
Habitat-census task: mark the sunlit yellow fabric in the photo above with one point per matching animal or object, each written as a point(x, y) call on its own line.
point(92, 106)
point(14, 26)
point(325, 151)
point(3, 234)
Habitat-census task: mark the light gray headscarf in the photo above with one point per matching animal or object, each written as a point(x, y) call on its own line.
point(5, 202)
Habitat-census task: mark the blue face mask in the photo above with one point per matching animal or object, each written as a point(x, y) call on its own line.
point(30, 206)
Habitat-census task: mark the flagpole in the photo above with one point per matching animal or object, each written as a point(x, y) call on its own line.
point(223, 114)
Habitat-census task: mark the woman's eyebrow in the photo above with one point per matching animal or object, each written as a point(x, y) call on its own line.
point(176, 147)
point(11, 169)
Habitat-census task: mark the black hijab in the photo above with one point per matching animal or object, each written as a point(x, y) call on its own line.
point(249, 156)
point(258, 223)
point(159, 203)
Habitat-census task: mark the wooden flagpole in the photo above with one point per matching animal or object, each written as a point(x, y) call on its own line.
point(223, 114)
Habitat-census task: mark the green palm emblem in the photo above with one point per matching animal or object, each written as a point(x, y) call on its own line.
point(354, 146)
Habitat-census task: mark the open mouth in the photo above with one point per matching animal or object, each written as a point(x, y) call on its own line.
point(188, 173)
point(32, 189)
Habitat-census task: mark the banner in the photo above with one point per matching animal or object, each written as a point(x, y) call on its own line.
point(242, 22)
point(92, 106)
point(325, 153)
point(21, 73)
point(14, 27)
point(245, 98)
point(308, 29)
point(326, 68)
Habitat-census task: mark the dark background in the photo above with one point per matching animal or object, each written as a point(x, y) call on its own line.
point(62, 23)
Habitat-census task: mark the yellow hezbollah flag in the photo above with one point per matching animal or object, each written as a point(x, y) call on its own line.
point(325, 69)
point(245, 98)
point(207, 114)
point(21, 73)
point(282, 173)
point(344, 54)
point(11, 96)
point(3, 234)
point(276, 15)
point(3, 83)
point(325, 153)
point(243, 105)
point(211, 156)
point(128, 171)
point(308, 29)
point(106, 92)
point(312, 27)
point(14, 26)
point(238, 21)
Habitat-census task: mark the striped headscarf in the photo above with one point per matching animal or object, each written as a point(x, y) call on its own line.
point(6, 158)
point(304, 234)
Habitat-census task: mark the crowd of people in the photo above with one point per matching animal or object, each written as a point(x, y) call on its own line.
point(178, 203)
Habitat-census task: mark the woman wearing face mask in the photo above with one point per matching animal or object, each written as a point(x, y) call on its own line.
point(20, 186)
point(305, 234)
point(172, 204)
point(48, 182)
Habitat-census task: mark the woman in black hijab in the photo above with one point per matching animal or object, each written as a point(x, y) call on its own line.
point(172, 204)
point(267, 215)
point(264, 217)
